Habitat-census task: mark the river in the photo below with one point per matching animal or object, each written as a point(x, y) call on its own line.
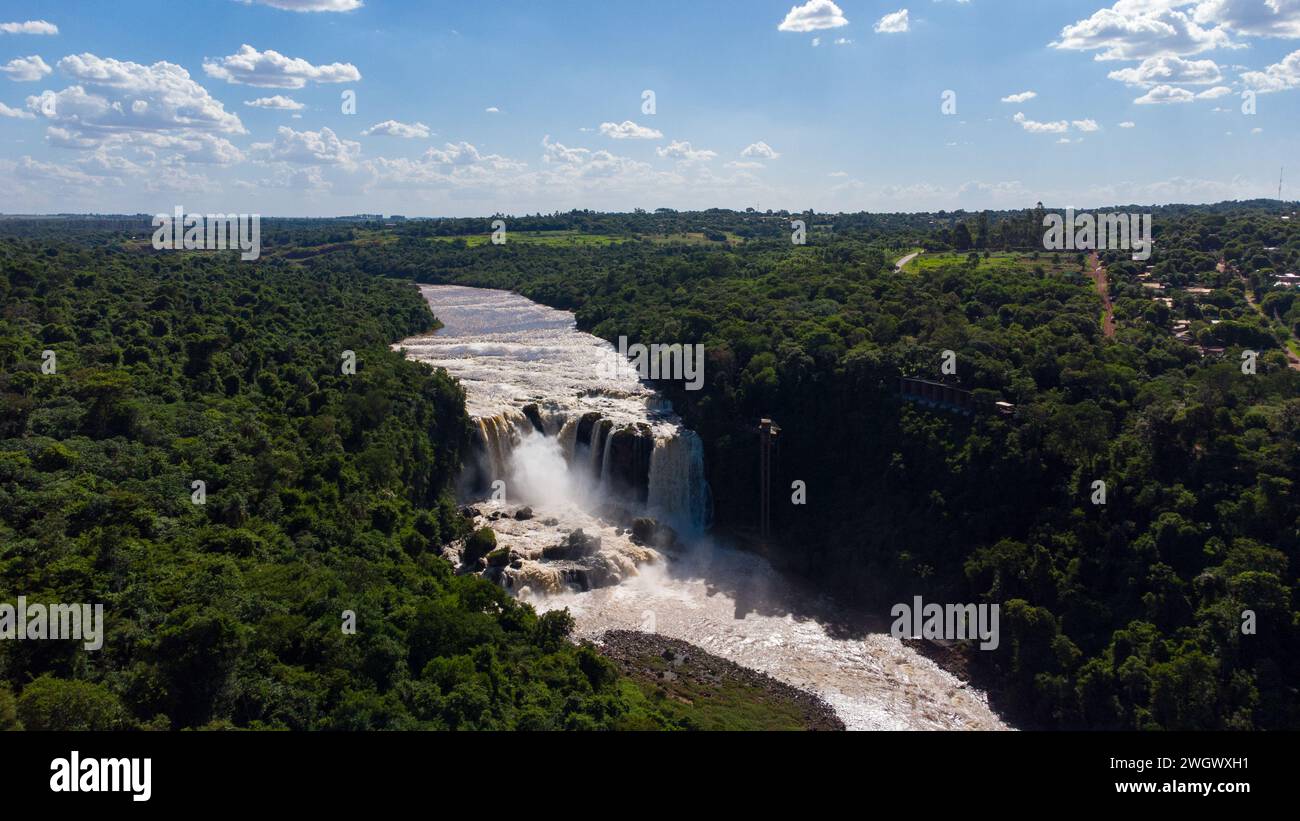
point(568, 431)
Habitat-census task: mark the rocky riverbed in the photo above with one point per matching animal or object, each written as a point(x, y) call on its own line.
point(675, 671)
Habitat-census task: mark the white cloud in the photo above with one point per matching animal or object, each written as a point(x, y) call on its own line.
point(492, 110)
point(1086, 125)
point(745, 165)
point(463, 153)
point(1033, 127)
point(123, 103)
point(1169, 69)
point(29, 27)
point(279, 102)
point(1128, 124)
point(1136, 29)
point(322, 147)
point(392, 128)
point(44, 172)
point(26, 69)
point(681, 150)
point(1214, 93)
point(812, 16)
point(192, 146)
point(628, 130)
point(760, 150)
point(16, 113)
point(1260, 18)
point(455, 166)
point(1277, 77)
point(270, 69)
point(1022, 97)
point(893, 23)
point(1163, 95)
point(309, 5)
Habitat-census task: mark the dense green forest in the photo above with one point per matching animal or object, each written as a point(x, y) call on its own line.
point(329, 492)
point(325, 492)
point(1122, 615)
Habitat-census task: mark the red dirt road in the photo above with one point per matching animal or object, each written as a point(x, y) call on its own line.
point(1103, 289)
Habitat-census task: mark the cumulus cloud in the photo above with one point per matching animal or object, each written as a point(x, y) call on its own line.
point(1034, 127)
point(1128, 124)
point(1137, 29)
point(1164, 95)
point(309, 5)
point(54, 173)
point(761, 150)
point(813, 16)
point(1259, 18)
point(1086, 125)
point(29, 27)
point(15, 113)
point(26, 69)
point(628, 130)
point(1214, 93)
point(579, 163)
point(457, 166)
point(392, 128)
point(1168, 69)
point(893, 23)
point(322, 147)
point(1277, 77)
point(278, 102)
point(681, 150)
point(270, 69)
point(123, 103)
point(1022, 97)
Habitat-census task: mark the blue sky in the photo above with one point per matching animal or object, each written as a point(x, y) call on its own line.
point(138, 106)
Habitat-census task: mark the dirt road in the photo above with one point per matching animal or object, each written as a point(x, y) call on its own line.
point(1103, 289)
point(902, 263)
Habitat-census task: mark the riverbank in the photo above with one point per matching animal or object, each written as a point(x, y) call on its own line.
point(707, 692)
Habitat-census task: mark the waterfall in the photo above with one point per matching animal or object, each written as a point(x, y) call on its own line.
point(555, 418)
point(678, 491)
point(674, 486)
point(567, 426)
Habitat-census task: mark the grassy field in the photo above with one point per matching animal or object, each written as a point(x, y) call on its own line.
point(1066, 263)
point(689, 238)
point(562, 238)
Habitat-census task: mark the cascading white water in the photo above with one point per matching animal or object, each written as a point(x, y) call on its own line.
point(524, 366)
point(510, 355)
point(678, 490)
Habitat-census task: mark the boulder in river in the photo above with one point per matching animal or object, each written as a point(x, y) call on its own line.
point(577, 545)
